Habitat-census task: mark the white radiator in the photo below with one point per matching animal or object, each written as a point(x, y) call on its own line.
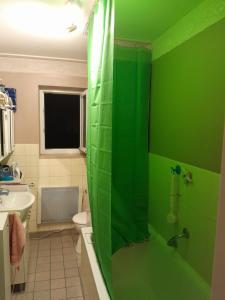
point(57, 204)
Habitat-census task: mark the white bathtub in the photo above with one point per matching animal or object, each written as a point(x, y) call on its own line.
point(154, 271)
point(145, 271)
point(91, 277)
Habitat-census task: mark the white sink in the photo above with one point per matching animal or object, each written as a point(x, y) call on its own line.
point(17, 202)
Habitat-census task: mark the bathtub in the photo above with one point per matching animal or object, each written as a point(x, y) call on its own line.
point(146, 271)
point(91, 278)
point(154, 271)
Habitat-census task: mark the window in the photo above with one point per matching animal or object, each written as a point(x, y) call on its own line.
point(62, 122)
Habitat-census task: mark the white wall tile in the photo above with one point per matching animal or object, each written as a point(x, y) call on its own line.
point(32, 160)
point(44, 171)
point(20, 149)
point(47, 172)
point(62, 181)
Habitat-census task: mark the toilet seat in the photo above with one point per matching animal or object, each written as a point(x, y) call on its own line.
point(81, 218)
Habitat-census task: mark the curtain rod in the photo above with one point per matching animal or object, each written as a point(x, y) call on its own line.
point(132, 43)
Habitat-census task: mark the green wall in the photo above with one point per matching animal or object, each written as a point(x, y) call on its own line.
point(197, 210)
point(201, 17)
point(186, 128)
point(188, 100)
point(147, 20)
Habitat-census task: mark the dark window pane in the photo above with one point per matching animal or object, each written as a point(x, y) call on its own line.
point(62, 121)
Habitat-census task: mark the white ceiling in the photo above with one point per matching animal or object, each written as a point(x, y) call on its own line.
point(15, 41)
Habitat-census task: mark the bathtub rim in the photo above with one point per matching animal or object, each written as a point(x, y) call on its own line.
point(96, 272)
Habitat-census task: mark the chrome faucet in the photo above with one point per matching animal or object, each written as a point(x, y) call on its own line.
point(4, 192)
point(173, 241)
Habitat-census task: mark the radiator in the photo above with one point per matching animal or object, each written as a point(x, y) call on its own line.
point(57, 204)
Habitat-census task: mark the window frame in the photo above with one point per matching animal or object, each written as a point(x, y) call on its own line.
point(61, 151)
point(82, 147)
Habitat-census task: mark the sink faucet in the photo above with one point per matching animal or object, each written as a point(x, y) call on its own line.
point(173, 241)
point(4, 191)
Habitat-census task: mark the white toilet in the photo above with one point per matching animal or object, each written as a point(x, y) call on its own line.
point(82, 219)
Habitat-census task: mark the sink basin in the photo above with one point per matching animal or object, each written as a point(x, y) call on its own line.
point(17, 202)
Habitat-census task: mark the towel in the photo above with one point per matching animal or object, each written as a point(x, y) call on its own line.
point(17, 239)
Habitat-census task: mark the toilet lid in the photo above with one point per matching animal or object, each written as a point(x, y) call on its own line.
point(81, 218)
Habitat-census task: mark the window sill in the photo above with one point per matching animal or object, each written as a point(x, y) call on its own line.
point(53, 156)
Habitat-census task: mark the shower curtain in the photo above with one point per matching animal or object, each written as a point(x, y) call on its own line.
point(131, 93)
point(99, 136)
point(117, 138)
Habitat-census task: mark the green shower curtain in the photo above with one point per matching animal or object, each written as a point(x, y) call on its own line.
point(131, 93)
point(117, 138)
point(99, 136)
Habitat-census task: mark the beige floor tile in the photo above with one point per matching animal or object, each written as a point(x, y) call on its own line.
point(72, 272)
point(29, 287)
point(70, 257)
point(56, 239)
point(44, 247)
point(58, 283)
point(56, 243)
point(44, 253)
point(34, 249)
point(70, 263)
point(59, 294)
point(56, 246)
point(29, 296)
point(56, 258)
point(31, 277)
point(42, 285)
point(74, 291)
point(43, 260)
point(69, 251)
point(68, 244)
point(42, 276)
point(32, 263)
point(67, 238)
point(20, 296)
point(31, 267)
point(57, 265)
point(44, 242)
point(43, 268)
point(57, 274)
point(42, 295)
point(56, 252)
point(33, 256)
point(72, 281)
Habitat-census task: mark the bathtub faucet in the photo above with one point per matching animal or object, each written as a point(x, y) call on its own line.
point(173, 241)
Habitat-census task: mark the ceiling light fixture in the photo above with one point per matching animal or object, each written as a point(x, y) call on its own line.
point(41, 19)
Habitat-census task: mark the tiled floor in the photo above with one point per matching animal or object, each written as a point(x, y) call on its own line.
point(53, 272)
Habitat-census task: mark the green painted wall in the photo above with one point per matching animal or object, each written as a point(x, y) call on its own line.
point(201, 17)
point(186, 128)
point(197, 210)
point(148, 19)
point(188, 100)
